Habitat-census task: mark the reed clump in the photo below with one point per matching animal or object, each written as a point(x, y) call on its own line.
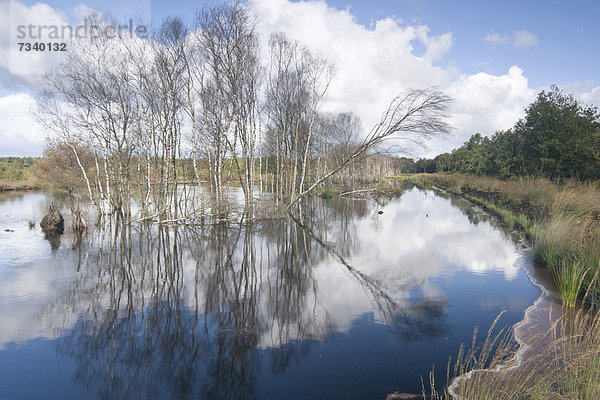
point(569, 279)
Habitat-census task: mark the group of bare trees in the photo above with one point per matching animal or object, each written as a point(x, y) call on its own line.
point(297, 82)
point(200, 102)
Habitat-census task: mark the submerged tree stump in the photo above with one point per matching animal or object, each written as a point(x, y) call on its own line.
point(79, 223)
point(53, 223)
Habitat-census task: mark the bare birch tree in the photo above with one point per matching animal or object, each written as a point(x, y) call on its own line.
point(89, 99)
point(165, 88)
point(230, 88)
point(296, 86)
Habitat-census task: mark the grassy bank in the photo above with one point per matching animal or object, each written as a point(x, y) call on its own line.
point(22, 185)
point(562, 220)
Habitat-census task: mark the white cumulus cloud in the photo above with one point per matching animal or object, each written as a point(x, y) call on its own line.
point(24, 24)
point(591, 97)
point(485, 103)
point(374, 65)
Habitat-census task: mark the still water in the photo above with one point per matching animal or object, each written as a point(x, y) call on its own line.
point(343, 303)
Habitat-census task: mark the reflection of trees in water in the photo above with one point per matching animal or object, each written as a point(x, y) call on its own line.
point(183, 312)
point(139, 336)
point(334, 221)
point(409, 318)
point(466, 208)
point(144, 330)
point(473, 213)
point(418, 318)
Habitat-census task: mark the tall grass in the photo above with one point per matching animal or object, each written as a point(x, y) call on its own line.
point(567, 241)
point(577, 198)
point(557, 241)
point(522, 222)
point(565, 365)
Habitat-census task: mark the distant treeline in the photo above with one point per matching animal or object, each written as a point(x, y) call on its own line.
point(58, 168)
point(558, 138)
point(16, 168)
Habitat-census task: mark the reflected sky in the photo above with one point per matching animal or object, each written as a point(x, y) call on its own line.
point(263, 310)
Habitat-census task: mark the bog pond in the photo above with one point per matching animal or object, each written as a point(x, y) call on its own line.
point(342, 303)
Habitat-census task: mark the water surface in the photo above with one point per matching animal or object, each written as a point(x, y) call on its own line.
point(342, 303)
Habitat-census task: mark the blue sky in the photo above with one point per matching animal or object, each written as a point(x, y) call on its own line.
point(568, 32)
point(567, 47)
point(492, 57)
